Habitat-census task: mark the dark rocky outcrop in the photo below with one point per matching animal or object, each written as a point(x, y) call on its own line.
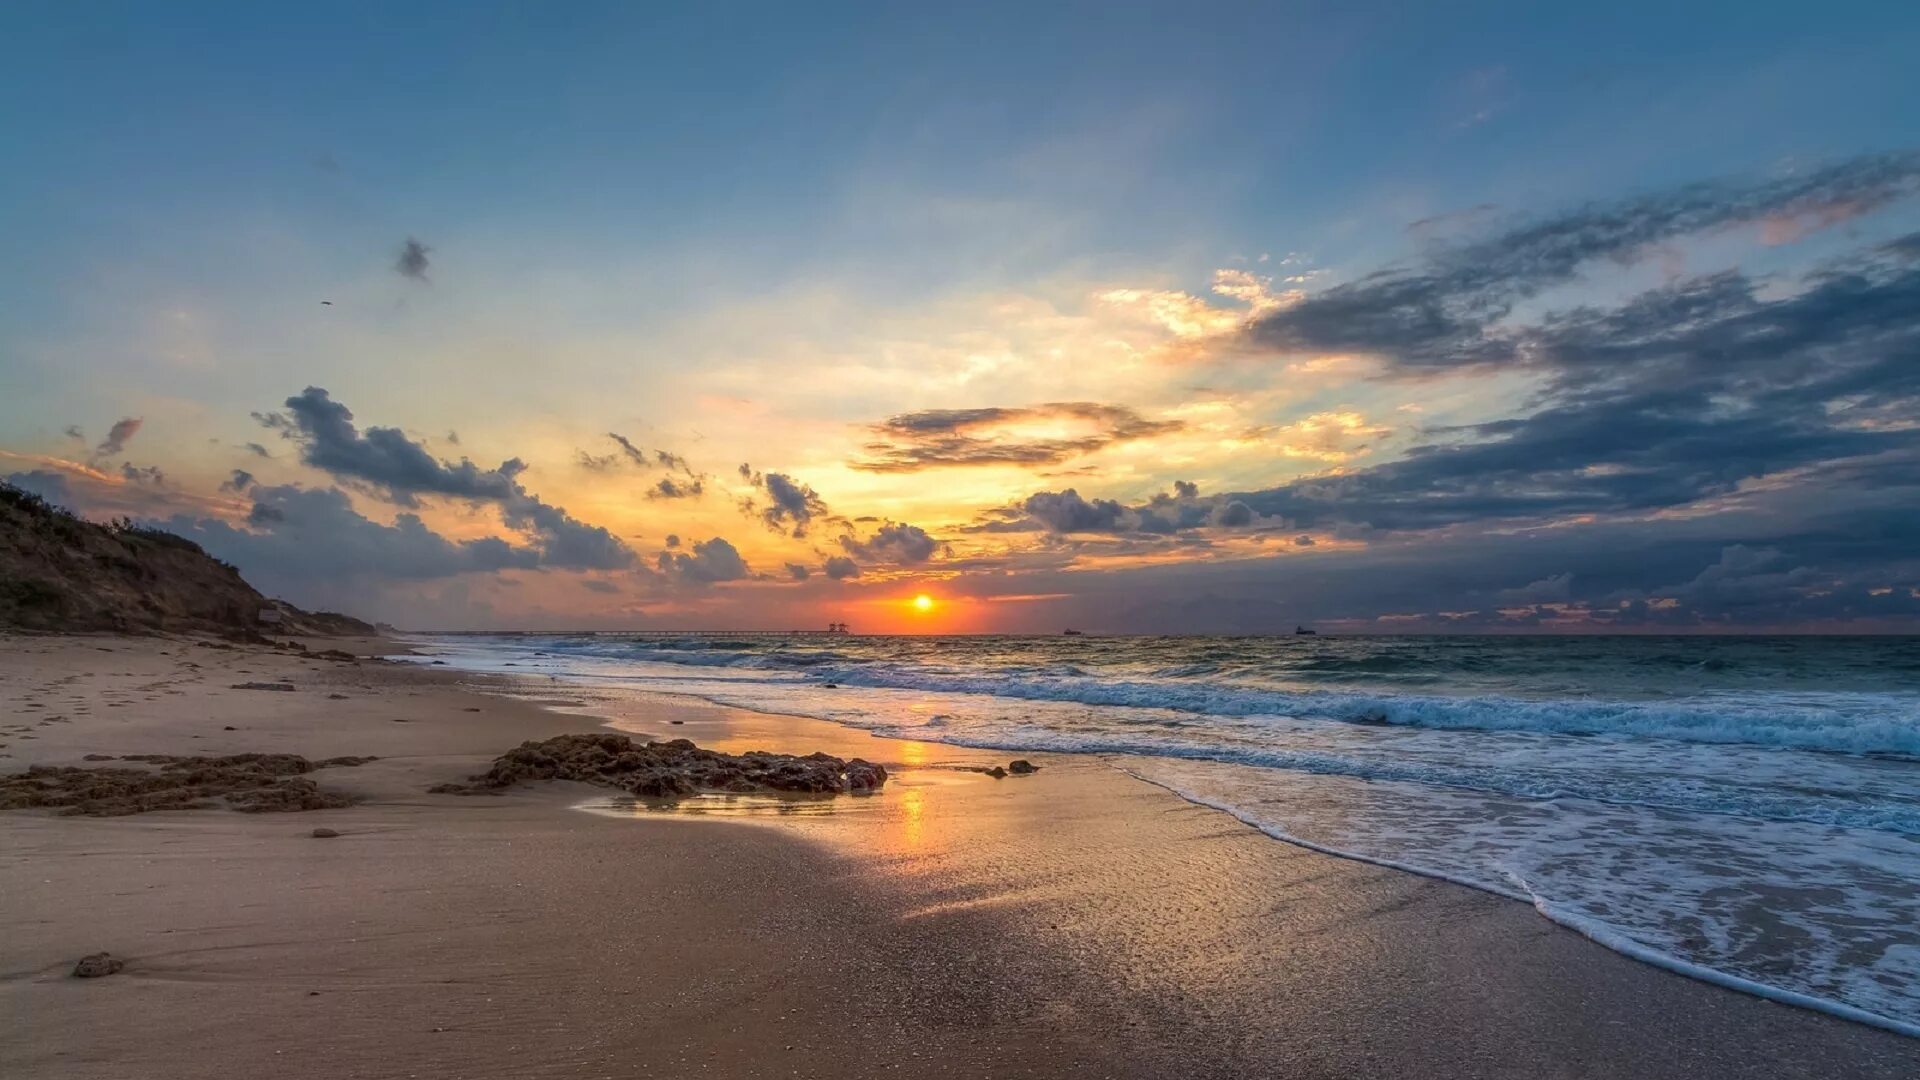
point(1022, 767)
point(254, 783)
point(97, 965)
point(61, 573)
point(671, 770)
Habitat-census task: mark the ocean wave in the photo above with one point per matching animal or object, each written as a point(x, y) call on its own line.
point(1843, 723)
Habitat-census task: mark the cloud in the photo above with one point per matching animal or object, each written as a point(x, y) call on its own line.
point(1068, 512)
point(840, 568)
point(895, 544)
point(149, 475)
point(50, 486)
point(1034, 435)
point(710, 561)
point(401, 470)
point(258, 450)
point(798, 571)
point(1683, 393)
point(632, 453)
point(1185, 489)
point(384, 457)
point(412, 261)
point(241, 480)
point(1441, 312)
point(792, 506)
point(73, 432)
point(670, 488)
point(117, 438)
point(298, 536)
point(1233, 514)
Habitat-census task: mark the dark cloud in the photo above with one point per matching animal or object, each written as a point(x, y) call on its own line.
point(117, 438)
point(894, 544)
point(631, 452)
point(709, 562)
point(994, 436)
point(673, 540)
point(1683, 393)
point(840, 568)
point(312, 535)
point(1443, 310)
point(241, 480)
point(258, 450)
point(1185, 489)
point(73, 432)
point(599, 585)
point(671, 488)
point(50, 486)
point(1233, 514)
point(412, 261)
point(401, 470)
point(383, 457)
point(149, 475)
point(798, 571)
point(791, 505)
point(1067, 512)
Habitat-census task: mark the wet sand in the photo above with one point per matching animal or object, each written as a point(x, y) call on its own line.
point(1072, 923)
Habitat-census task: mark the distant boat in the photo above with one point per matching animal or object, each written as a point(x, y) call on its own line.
point(1302, 631)
point(1071, 633)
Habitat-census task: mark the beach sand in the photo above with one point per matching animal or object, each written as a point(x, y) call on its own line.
point(1076, 922)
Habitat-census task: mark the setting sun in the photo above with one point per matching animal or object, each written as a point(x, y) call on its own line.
point(923, 602)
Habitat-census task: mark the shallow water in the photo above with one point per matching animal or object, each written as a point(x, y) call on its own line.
point(1747, 810)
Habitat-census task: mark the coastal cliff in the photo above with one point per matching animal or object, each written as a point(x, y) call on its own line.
point(62, 573)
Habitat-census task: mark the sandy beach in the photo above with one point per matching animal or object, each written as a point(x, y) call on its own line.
point(1076, 922)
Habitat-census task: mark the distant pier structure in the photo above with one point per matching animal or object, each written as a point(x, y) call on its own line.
point(838, 629)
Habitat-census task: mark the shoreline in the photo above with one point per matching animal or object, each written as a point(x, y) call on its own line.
point(1076, 922)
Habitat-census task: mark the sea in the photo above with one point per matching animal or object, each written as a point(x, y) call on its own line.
point(1745, 810)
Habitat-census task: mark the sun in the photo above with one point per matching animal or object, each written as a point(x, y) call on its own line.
point(923, 602)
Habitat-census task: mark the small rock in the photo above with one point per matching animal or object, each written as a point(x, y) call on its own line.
point(336, 697)
point(229, 727)
point(1022, 767)
point(324, 834)
point(676, 722)
point(472, 708)
point(997, 773)
point(97, 965)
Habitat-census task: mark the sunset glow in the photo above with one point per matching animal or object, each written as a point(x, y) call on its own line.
point(1123, 363)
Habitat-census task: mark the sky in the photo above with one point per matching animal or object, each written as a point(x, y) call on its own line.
point(1128, 318)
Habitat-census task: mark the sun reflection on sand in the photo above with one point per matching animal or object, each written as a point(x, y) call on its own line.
point(913, 810)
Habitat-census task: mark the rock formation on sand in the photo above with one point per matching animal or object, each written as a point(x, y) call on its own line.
point(61, 573)
point(97, 965)
point(670, 770)
point(254, 783)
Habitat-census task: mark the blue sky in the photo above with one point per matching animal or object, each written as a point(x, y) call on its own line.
point(755, 232)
